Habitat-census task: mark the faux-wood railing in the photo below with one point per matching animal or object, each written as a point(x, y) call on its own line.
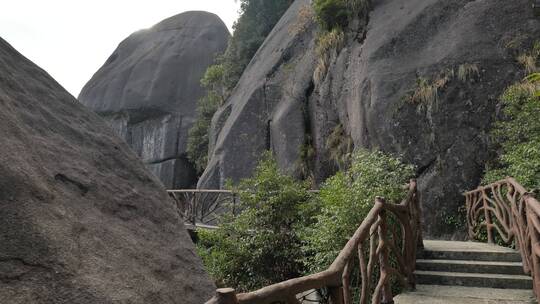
point(373, 240)
point(205, 206)
point(506, 208)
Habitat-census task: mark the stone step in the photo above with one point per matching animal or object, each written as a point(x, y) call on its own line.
point(438, 294)
point(473, 279)
point(451, 250)
point(470, 266)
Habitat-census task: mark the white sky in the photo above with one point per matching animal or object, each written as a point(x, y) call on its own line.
point(71, 39)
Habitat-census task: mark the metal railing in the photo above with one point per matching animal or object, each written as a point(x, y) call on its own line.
point(505, 212)
point(367, 255)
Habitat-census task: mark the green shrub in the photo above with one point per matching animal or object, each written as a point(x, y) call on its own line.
point(518, 135)
point(261, 245)
point(346, 198)
point(331, 13)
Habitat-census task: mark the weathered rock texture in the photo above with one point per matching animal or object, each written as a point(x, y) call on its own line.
point(149, 87)
point(279, 105)
point(81, 218)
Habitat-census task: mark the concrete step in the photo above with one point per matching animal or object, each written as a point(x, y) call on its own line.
point(438, 294)
point(472, 251)
point(487, 280)
point(470, 266)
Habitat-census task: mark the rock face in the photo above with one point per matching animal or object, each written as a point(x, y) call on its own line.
point(367, 89)
point(149, 87)
point(81, 218)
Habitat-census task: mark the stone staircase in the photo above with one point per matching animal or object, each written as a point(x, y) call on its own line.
point(468, 272)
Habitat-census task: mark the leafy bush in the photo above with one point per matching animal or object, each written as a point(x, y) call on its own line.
point(426, 92)
point(346, 198)
point(331, 13)
point(529, 60)
point(260, 246)
point(518, 135)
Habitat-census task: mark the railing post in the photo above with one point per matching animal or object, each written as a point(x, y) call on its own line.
point(224, 296)
point(386, 292)
point(346, 279)
point(487, 215)
point(469, 199)
point(535, 243)
point(234, 203)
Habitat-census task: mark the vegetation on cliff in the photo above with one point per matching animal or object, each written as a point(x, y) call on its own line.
point(517, 134)
point(260, 246)
point(257, 19)
point(346, 198)
point(333, 14)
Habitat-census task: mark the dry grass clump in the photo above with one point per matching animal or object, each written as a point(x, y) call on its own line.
point(468, 72)
point(427, 91)
point(529, 60)
point(305, 16)
point(329, 43)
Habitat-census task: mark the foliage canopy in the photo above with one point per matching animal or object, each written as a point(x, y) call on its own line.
point(260, 246)
point(346, 198)
point(518, 135)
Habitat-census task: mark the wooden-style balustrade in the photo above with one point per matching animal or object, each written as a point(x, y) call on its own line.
point(506, 209)
point(205, 206)
point(376, 253)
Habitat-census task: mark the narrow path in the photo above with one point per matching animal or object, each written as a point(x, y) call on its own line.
point(469, 272)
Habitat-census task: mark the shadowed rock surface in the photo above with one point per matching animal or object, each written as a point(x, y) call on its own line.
point(149, 87)
point(81, 218)
point(280, 105)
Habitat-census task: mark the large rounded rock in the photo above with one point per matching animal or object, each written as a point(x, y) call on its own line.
point(81, 218)
point(149, 87)
point(280, 105)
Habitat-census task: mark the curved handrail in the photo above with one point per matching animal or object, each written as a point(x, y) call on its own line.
point(507, 209)
point(336, 278)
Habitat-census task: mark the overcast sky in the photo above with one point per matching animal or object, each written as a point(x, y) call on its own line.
point(71, 39)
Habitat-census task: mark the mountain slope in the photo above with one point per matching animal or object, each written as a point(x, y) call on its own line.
point(414, 77)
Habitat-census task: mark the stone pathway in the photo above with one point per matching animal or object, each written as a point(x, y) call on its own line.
point(469, 272)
